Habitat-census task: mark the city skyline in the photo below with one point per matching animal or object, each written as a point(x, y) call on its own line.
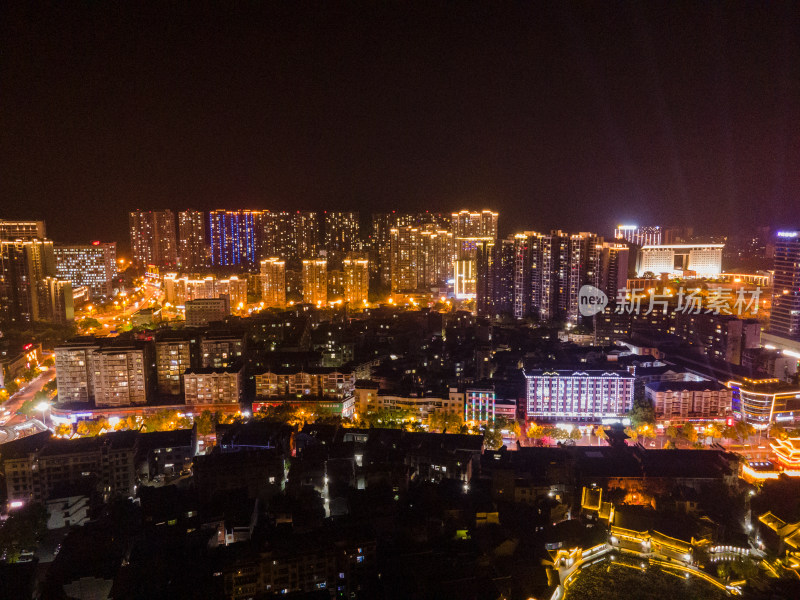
point(475, 300)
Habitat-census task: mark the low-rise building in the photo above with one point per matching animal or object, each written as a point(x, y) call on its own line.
point(578, 395)
point(203, 311)
point(38, 465)
point(689, 399)
point(321, 381)
point(213, 386)
point(219, 350)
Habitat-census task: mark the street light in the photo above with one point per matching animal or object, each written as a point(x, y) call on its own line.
point(43, 406)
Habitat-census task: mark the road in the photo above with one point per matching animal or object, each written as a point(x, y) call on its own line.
point(14, 403)
point(115, 318)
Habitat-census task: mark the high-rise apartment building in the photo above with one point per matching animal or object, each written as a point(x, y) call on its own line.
point(306, 227)
point(22, 230)
point(380, 245)
point(341, 235)
point(550, 269)
point(495, 278)
point(55, 300)
point(273, 282)
point(405, 258)
point(29, 290)
point(153, 240)
point(785, 315)
point(471, 227)
point(613, 269)
point(92, 265)
point(436, 256)
point(193, 251)
point(641, 236)
point(121, 375)
point(75, 371)
point(173, 358)
point(279, 236)
point(315, 281)
point(465, 279)
point(236, 238)
point(356, 280)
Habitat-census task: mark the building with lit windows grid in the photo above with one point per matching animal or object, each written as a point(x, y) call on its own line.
point(92, 265)
point(578, 395)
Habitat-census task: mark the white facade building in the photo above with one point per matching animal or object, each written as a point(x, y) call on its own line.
point(578, 395)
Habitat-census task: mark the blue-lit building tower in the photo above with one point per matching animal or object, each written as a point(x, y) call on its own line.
point(236, 238)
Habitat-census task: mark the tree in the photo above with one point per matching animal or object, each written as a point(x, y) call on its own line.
point(647, 431)
point(601, 434)
point(672, 432)
point(744, 430)
point(575, 434)
point(51, 386)
point(131, 423)
point(492, 438)
point(729, 433)
point(642, 412)
point(23, 530)
point(206, 421)
point(560, 434)
point(445, 422)
point(535, 432)
point(690, 433)
point(744, 568)
point(28, 408)
point(669, 445)
point(11, 387)
point(93, 427)
point(778, 432)
point(89, 323)
point(63, 430)
point(715, 431)
point(631, 433)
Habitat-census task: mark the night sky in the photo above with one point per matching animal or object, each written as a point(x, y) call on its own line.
point(569, 115)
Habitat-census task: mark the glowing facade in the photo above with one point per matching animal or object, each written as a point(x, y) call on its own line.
point(92, 265)
point(180, 290)
point(785, 314)
point(405, 258)
point(315, 281)
point(22, 230)
point(764, 401)
point(578, 395)
point(356, 280)
point(236, 238)
point(681, 260)
point(273, 282)
point(641, 236)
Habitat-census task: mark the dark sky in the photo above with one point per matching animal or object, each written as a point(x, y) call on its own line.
point(570, 115)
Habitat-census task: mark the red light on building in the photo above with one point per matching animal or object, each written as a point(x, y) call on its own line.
point(729, 422)
point(96, 243)
point(27, 346)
